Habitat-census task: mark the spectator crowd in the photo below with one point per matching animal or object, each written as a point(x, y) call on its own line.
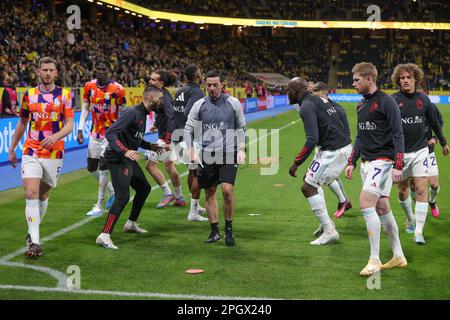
point(136, 49)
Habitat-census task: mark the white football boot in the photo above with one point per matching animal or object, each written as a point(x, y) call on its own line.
point(326, 238)
point(133, 227)
point(105, 241)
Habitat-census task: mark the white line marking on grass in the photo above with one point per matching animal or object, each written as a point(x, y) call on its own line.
point(62, 277)
point(59, 276)
point(270, 133)
point(131, 294)
point(48, 238)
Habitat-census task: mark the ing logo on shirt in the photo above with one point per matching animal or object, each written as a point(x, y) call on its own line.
point(369, 126)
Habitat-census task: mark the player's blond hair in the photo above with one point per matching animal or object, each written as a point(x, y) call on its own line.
point(47, 60)
point(412, 69)
point(366, 69)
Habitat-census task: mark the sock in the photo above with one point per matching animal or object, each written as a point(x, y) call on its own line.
point(390, 227)
point(110, 223)
point(336, 188)
point(373, 230)
point(341, 185)
point(166, 189)
point(228, 225)
point(407, 208)
point(215, 227)
point(433, 194)
point(102, 185)
point(96, 174)
point(421, 216)
point(194, 205)
point(33, 219)
point(43, 205)
point(319, 209)
point(110, 188)
point(413, 195)
point(178, 192)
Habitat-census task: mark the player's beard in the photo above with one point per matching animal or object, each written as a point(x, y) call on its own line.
point(157, 107)
point(47, 82)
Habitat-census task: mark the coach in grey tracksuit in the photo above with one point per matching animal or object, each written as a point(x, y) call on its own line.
point(218, 122)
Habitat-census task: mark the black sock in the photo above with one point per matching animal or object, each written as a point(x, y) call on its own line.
point(215, 227)
point(228, 225)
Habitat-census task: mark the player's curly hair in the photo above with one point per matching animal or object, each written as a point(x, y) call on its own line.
point(412, 69)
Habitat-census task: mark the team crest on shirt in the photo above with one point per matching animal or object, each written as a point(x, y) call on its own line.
point(374, 107)
point(419, 104)
point(56, 102)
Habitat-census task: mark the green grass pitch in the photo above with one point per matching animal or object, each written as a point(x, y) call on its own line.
point(272, 257)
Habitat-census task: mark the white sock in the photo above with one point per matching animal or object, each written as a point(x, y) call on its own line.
point(102, 184)
point(421, 216)
point(319, 209)
point(194, 205)
point(166, 189)
point(390, 227)
point(43, 205)
point(96, 174)
point(373, 230)
point(33, 219)
point(407, 208)
point(110, 188)
point(178, 192)
point(336, 188)
point(413, 195)
point(433, 194)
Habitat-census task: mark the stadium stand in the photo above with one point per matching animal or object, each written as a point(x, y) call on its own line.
point(135, 46)
point(432, 11)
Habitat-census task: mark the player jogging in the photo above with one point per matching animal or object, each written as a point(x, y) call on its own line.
point(380, 144)
point(48, 110)
point(105, 98)
point(416, 110)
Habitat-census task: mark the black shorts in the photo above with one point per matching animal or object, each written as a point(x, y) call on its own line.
point(213, 174)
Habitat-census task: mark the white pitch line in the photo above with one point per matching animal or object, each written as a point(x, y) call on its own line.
point(62, 278)
point(59, 276)
point(270, 133)
point(131, 294)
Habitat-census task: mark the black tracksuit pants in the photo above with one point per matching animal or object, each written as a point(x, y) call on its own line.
point(126, 173)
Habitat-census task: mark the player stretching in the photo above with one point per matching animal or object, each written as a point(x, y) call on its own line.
point(324, 128)
point(105, 98)
point(48, 109)
point(125, 136)
point(336, 186)
point(380, 143)
point(416, 110)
